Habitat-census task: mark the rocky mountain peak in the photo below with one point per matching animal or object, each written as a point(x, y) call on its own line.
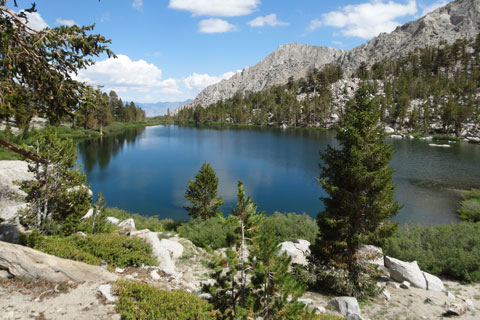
point(459, 19)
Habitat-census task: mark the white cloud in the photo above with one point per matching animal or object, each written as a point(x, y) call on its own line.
point(216, 8)
point(366, 20)
point(141, 81)
point(138, 4)
point(66, 22)
point(35, 21)
point(201, 81)
point(215, 26)
point(434, 6)
point(269, 20)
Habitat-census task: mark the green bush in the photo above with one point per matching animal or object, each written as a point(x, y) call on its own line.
point(153, 223)
point(470, 208)
point(142, 301)
point(215, 232)
point(65, 248)
point(451, 251)
point(292, 226)
point(116, 250)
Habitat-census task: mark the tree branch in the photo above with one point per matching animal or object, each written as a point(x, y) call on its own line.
point(24, 153)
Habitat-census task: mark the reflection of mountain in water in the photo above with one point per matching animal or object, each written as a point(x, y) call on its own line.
point(100, 151)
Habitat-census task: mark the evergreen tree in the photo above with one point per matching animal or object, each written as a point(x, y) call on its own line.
point(360, 194)
point(202, 193)
point(57, 196)
point(259, 285)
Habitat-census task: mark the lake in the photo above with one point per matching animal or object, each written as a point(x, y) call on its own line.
point(146, 170)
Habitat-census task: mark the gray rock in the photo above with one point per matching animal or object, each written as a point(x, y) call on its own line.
point(346, 305)
point(298, 250)
point(106, 291)
point(456, 309)
point(113, 220)
point(433, 282)
point(159, 252)
point(10, 232)
point(371, 255)
point(4, 275)
point(175, 248)
point(386, 294)
point(205, 296)
point(406, 271)
point(321, 310)
point(469, 304)
point(405, 285)
point(119, 270)
point(155, 276)
point(389, 130)
point(306, 301)
point(354, 316)
point(128, 224)
point(31, 264)
point(10, 194)
point(450, 295)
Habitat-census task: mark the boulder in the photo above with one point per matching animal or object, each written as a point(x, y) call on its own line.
point(406, 271)
point(371, 255)
point(159, 251)
point(106, 291)
point(389, 130)
point(456, 309)
point(154, 275)
point(10, 193)
point(88, 214)
point(297, 249)
point(346, 305)
point(175, 248)
point(405, 285)
point(113, 220)
point(128, 224)
point(4, 275)
point(433, 282)
point(25, 262)
point(10, 232)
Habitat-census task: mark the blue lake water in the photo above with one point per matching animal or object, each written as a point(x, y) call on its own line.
point(146, 170)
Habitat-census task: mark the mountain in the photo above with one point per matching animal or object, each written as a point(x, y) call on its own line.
point(160, 108)
point(459, 19)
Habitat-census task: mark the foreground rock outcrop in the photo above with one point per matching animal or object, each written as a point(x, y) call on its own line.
point(27, 263)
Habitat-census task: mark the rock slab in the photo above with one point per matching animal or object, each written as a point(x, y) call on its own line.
point(406, 271)
point(28, 263)
point(346, 305)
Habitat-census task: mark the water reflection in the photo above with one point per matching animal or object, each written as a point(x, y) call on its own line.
point(99, 152)
point(147, 171)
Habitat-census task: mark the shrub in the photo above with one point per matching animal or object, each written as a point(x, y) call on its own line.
point(470, 208)
point(451, 251)
point(116, 250)
point(292, 226)
point(142, 301)
point(215, 232)
point(65, 248)
point(153, 223)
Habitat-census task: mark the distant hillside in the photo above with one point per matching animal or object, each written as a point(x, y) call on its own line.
point(160, 108)
point(459, 19)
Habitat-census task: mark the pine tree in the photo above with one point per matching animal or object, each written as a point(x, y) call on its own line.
point(360, 192)
point(252, 280)
point(57, 196)
point(202, 193)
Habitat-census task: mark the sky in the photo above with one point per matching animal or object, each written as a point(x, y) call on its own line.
point(170, 50)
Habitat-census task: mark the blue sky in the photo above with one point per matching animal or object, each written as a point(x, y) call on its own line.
point(169, 50)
